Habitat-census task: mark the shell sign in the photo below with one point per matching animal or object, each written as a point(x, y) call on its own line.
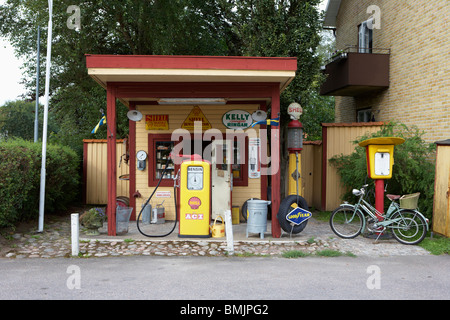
point(157, 122)
point(196, 114)
point(194, 203)
point(237, 119)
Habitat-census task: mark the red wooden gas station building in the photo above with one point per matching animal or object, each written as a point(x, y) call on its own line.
point(141, 82)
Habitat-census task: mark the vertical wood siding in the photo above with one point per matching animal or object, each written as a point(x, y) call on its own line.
point(441, 206)
point(339, 139)
point(311, 172)
point(95, 172)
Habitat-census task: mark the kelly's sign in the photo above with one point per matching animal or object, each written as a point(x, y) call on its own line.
point(237, 119)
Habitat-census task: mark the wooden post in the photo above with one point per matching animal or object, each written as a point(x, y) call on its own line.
point(111, 158)
point(275, 162)
point(132, 163)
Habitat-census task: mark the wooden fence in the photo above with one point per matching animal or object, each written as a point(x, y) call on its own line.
point(312, 173)
point(337, 139)
point(441, 204)
point(95, 189)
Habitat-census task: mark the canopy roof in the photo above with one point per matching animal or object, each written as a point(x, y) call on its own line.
point(190, 69)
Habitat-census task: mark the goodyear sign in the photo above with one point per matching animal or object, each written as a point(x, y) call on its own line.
point(298, 216)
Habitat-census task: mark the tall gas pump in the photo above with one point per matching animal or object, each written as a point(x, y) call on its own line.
point(195, 198)
point(293, 213)
point(295, 147)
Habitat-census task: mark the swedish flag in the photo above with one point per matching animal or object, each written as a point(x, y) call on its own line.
point(102, 121)
point(270, 122)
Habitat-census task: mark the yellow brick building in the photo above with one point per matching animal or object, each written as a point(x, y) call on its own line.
point(393, 63)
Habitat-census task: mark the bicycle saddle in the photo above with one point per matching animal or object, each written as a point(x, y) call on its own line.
point(393, 197)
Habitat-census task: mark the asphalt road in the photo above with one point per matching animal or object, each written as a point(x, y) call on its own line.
point(231, 278)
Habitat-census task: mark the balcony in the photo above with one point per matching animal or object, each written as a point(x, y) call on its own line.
point(355, 71)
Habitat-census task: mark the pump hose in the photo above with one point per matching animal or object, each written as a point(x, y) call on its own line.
point(148, 200)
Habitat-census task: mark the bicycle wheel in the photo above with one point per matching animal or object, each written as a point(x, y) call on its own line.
point(410, 228)
point(346, 223)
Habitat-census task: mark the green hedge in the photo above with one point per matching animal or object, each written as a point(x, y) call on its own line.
point(20, 172)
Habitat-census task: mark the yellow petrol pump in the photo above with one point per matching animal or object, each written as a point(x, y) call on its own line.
point(195, 198)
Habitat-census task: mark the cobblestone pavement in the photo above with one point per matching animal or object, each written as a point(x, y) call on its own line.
point(55, 241)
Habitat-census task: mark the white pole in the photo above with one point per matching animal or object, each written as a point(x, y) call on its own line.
point(75, 226)
point(229, 232)
point(44, 131)
point(36, 116)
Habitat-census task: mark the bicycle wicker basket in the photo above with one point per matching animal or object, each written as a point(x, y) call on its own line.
point(409, 201)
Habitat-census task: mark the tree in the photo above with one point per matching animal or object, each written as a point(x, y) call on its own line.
point(318, 109)
point(284, 28)
point(107, 27)
point(17, 120)
point(178, 27)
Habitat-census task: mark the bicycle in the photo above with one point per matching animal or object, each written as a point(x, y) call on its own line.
point(408, 226)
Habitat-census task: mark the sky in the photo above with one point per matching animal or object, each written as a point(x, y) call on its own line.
point(11, 74)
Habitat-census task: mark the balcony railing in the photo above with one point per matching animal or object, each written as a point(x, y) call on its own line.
point(355, 71)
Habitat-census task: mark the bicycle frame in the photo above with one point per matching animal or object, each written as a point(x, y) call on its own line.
point(371, 211)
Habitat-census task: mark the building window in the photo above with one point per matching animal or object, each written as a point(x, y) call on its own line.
point(364, 115)
point(160, 146)
point(365, 36)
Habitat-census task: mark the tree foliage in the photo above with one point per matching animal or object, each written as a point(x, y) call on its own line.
point(157, 27)
point(17, 119)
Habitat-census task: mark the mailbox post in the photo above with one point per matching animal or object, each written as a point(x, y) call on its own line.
point(380, 159)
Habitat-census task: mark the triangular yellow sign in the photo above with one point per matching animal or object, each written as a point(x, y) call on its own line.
point(196, 114)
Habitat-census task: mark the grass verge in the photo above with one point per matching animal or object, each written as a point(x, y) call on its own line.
point(437, 245)
point(322, 253)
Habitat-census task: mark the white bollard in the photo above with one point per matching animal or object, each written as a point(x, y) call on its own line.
point(229, 231)
point(75, 226)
